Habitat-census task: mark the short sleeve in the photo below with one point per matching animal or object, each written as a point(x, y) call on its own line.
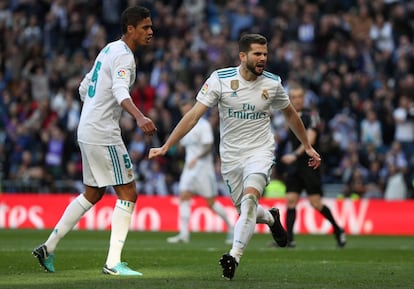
point(123, 66)
point(209, 93)
point(281, 100)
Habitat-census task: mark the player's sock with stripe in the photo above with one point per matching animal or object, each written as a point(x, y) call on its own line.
point(245, 225)
point(290, 222)
point(326, 212)
point(121, 220)
point(73, 212)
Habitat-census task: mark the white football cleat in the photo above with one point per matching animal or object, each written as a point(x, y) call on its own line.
point(178, 239)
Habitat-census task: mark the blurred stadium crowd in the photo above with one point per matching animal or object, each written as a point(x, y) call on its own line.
point(355, 58)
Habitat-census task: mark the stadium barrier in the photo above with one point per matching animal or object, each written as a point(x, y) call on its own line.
point(360, 217)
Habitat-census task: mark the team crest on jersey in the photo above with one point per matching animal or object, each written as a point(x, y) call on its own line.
point(121, 73)
point(265, 94)
point(204, 89)
point(234, 84)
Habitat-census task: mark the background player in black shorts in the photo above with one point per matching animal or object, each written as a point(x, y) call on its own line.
point(299, 176)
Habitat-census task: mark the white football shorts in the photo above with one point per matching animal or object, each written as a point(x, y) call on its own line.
point(200, 180)
point(105, 165)
point(235, 173)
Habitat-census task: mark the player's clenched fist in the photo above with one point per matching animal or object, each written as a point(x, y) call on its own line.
point(156, 152)
point(147, 126)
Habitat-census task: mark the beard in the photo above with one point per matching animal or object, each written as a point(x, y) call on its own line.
point(252, 69)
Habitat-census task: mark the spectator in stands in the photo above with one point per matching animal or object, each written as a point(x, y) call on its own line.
point(370, 130)
point(39, 80)
point(381, 33)
point(18, 141)
point(29, 171)
point(143, 94)
point(306, 33)
point(396, 186)
point(397, 157)
point(155, 180)
point(360, 21)
point(375, 180)
point(54, 154)
point(239, 17)
point(356, 185)
point(350, 162)
point(400, 21)
point(404, 124)
point(344, 129)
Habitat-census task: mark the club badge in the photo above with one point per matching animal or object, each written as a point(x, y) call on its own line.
point(265, 94)
point(234, 84)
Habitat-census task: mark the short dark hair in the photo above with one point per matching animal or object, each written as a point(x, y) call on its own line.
point(132, 16)
point(248, 39)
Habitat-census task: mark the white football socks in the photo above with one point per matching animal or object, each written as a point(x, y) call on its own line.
point(245, 225)
point(73, 212)
point(121, 220)
point(184, 211)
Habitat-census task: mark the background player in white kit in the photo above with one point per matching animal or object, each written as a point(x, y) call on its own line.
point(245, 96)
point(105, 160)
point(198, 176)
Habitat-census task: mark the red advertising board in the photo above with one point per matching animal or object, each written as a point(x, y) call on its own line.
point(42, 211)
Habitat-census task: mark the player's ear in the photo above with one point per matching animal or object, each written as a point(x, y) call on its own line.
point(130, 28)
point(242, 56)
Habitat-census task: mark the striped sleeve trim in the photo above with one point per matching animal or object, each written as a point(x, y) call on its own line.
point(227, 72)
point(271, 75)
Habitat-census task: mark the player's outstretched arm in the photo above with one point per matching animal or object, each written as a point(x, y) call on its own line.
point(187, 122)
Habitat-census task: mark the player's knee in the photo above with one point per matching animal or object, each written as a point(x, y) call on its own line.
point(291, 204)
point(256, 181)
point(316, 201)
point(292, 200)
point(93, 195)
point(250, 198)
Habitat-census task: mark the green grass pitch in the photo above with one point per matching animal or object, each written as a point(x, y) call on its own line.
point(366, 262)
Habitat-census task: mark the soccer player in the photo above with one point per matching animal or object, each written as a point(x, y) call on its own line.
point(198, 176)
point(299, 176)
point(245, 96)
point(105, 160)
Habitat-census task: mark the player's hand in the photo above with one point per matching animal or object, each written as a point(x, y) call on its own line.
point(156, 152)
point(147, 126)
point(314, 158)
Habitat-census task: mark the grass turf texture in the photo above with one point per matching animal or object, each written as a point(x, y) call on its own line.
point(366, 262)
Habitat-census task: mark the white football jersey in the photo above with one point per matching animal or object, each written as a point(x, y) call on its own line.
point(102, 90)
point(244, 109)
